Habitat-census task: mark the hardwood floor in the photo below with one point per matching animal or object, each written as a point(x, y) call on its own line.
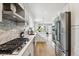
point(42, 49)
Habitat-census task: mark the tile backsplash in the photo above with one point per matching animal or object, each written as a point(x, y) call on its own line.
point(8, 30)
point(7, 25)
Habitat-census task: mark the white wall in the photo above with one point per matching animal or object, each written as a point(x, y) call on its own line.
point(74, 9)
point(29, 17)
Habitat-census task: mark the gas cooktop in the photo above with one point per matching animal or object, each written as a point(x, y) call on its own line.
point(10, 46)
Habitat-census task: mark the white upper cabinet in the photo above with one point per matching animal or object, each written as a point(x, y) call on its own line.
point(0, 12)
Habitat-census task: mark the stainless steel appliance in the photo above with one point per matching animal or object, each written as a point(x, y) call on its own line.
point(10, 46)
point(62, 34)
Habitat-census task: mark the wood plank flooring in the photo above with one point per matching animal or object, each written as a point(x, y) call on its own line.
point(42, 49)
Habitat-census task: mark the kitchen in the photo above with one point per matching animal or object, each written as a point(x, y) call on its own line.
point(20, 35)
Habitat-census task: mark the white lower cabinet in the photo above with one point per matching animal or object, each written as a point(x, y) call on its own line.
point(29, 51)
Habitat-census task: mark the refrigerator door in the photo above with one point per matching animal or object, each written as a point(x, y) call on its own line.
point(66, 25)
point(63, 34)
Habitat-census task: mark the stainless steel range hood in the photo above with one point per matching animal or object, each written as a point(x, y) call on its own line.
point(13, 11)
point(13, 16)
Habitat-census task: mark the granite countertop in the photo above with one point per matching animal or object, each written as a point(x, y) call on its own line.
point(20, 53)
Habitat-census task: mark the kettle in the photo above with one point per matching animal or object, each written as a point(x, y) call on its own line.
point(22, 35)
point(30, 31)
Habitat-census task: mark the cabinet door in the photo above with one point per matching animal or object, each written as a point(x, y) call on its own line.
point(29, 50)
point(0, 12)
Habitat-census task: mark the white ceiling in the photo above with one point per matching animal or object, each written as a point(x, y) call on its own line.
point(45, 10)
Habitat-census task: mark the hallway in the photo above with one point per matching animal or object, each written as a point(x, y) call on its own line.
point(42, 49)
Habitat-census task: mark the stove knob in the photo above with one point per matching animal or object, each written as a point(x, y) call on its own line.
point(19, 48)
point(24, 42)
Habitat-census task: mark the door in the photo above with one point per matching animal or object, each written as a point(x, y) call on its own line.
point(63, 34)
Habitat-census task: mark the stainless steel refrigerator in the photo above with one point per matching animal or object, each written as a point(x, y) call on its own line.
point(62, 34)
